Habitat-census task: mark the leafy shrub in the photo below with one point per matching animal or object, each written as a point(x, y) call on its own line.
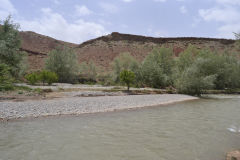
point(5, 78)
point(32, 78)
point(194, 79)
point(43, 76)
point(156, 70)
point(47, 76)
point(127, 77)
point(125, 61)
point(63, 62)
point(88, 72)
point(10, 53)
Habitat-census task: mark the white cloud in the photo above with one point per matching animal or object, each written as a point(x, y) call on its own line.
point(196, 21)
point(127, 1)
point(57, 2)
point(160, 0)
point(108, 7)
point(156, 33)
point(228, 29)
point(6, 8)
point(227, 14)
point(82, 10)
point(56, 26)
point(228, 2)
point(160, 34)
point(183, 9)
point(167, 0)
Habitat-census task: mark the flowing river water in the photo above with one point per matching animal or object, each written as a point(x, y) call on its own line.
point(203, 129)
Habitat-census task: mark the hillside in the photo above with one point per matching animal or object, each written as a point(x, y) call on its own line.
point(104, 49)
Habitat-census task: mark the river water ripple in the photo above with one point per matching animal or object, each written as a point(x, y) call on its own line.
point(203, 129)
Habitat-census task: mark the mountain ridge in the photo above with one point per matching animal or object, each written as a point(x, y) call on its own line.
point(104, 49)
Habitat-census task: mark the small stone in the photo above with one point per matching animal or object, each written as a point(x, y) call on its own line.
point(233, 155)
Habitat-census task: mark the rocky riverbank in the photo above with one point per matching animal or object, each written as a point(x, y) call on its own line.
point(79, 105)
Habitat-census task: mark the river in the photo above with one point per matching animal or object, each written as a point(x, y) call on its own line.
point(203, 129)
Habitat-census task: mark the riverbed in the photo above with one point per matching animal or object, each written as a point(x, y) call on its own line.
point(203, 129)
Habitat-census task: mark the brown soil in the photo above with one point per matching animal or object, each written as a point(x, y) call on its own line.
point(104, 49)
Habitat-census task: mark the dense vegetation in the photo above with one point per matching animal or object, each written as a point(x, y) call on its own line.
point(127, 77)
point(12, 60)
point(44, 76)
point(193, 72)
point(63, 61)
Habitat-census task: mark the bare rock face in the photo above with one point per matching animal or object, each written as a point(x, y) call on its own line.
point(234, 155)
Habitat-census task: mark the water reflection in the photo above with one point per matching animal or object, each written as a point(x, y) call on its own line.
point(234, 129)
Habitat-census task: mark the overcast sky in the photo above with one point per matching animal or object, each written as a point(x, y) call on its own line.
point(80, 20)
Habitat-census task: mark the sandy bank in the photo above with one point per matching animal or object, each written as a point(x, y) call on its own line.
point(80, 105)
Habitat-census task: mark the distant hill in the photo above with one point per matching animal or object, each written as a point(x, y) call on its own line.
point(104, 49)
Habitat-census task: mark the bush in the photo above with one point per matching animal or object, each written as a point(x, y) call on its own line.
point(124, 62)
point(127, 77)
point(63, 62)
point(88, 72)
point(47, 76)
point(194, 80)
point(10, 53)
point(5, 78)
point(156, 70)
point(32, 78)
point(199, 70)
point(43, 76)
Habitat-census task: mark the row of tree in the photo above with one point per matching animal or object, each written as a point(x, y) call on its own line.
point(192, 72)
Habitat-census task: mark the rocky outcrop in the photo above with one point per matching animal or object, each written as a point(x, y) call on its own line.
point(104, 49)
point(233, 155)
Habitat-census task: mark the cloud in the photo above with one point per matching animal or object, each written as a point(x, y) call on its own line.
point(160, 0)
point(160, 34)
point(183, 9)
point(228, 29)
point(57, 2)
point(6, 8)
point(108, 7)
point(56, 26)
point(228, 2)
point(227, 14)
point(82, 10)
point(156, 33)
point(127, 1)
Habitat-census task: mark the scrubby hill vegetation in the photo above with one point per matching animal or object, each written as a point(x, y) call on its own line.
point(192, 70)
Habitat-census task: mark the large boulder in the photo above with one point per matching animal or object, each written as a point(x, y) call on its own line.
point(233, 155)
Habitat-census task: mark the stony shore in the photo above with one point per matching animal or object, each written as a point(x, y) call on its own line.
point(79, 105)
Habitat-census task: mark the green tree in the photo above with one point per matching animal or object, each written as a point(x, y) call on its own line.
point(194, 80)
point(127, 77)
point(88, 71)
point(186, 58)
point(32, 78)
point(237, 35)
point(10, 43)
point(157, 68)
point(5, 78)
point(47, 76)
point(125, 61)
point(63, 62)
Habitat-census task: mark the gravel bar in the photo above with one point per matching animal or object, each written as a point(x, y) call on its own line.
point(79, 105)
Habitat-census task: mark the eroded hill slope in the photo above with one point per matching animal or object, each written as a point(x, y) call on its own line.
point(104, 49)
